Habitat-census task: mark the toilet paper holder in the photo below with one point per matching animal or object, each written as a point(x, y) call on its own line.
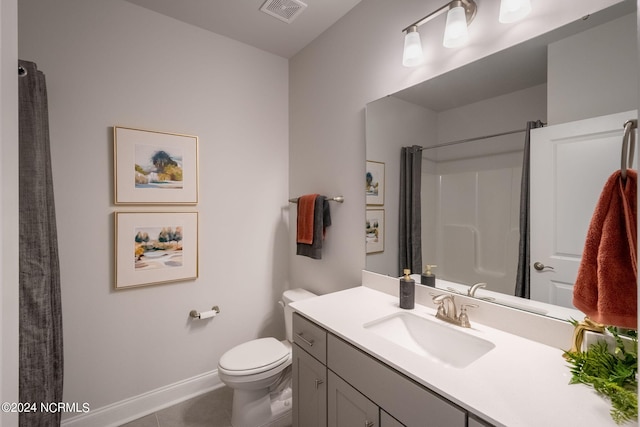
point(215, 310)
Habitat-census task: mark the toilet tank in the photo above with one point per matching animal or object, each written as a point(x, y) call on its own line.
point(293, 295)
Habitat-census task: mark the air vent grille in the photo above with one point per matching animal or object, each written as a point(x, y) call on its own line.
point(284, 10)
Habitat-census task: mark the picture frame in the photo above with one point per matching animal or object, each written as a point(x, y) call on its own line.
point(374, 183)
point(374, 231)
point(152, 167)
point(155, 247)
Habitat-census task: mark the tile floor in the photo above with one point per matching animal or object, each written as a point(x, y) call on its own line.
point(212, 409)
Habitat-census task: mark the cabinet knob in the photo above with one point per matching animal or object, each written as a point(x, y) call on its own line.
point(318, 383)
point(368, 424)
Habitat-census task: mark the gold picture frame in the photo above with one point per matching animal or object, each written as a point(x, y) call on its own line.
point(374, 183)
point(154, 168)
point(155, 247)
point(374, 231)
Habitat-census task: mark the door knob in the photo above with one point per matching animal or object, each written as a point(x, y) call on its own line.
point(540, 266)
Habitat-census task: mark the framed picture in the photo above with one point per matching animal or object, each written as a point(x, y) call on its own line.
point(155, 247)
point(154, 167)
point(374, 183)
point(375, 231)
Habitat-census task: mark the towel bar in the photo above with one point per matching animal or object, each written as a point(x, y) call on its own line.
point(628, 147)
point(338, 199)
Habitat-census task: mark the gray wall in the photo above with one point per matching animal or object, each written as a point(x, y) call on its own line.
point(594, 73)
point(114, 63)
point(356, 61)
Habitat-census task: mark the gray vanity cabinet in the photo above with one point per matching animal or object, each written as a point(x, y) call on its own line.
point(387, 420)
point(355, 389)
point(309, 390)
point(309, 373)
point(477, 422)
point(408, 402)
point(347, 406)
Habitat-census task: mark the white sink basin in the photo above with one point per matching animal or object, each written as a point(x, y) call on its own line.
point(430, 338)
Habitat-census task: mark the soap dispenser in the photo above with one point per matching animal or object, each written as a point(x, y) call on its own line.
point(428, 278)
point(407, 290)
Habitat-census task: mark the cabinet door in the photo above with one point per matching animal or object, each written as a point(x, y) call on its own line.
point(347, 407)
point(309, 390)
point(477, 422)
point(387, 420)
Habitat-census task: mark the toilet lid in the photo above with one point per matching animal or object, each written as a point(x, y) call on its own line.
point(255, 356)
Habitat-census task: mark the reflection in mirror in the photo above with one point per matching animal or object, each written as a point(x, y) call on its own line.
point(471, 188)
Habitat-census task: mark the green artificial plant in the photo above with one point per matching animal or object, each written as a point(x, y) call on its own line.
point(612, 375)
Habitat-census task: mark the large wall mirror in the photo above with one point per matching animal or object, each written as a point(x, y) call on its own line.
point(471, 184)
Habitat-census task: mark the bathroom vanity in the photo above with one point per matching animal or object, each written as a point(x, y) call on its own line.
point(353, 388)
point(360, 360)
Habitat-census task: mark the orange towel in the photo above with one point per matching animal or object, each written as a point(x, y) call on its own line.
point(606, 286)
point(306, 209)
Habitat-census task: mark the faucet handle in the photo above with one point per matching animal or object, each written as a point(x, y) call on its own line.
point(463, 318)
point(439, 301)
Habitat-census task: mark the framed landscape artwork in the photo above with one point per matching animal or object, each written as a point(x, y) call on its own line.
point(154, 167)
point(374, 231)
point(155, 247)
point(374, 183)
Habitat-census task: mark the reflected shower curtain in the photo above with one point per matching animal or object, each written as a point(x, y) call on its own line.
point(40, 349)
point(410, 239)
point(523, 278)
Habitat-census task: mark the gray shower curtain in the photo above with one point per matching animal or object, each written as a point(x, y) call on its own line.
point(40, 348)
point(523, 278)
point(410, 239)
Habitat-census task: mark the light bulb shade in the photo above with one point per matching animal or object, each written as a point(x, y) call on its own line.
point(514, 10)
point(456, 33)
point(412, 54)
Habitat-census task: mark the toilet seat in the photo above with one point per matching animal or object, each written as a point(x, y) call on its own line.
point(254, 357)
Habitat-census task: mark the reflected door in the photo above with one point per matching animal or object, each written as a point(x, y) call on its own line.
point(570, 164)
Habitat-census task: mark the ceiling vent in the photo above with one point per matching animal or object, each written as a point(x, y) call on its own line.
point(284, 10)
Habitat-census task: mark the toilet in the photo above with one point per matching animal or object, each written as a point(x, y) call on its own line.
point(257, 372)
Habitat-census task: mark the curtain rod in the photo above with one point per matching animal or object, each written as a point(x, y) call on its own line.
point(445, 144)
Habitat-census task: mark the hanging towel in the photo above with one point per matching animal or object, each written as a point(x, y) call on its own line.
point(321, 220)
point(306, 209)
point(606, 286)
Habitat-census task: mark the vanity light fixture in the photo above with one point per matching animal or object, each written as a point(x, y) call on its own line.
point(456, 33)
point(514, 10)
point(460, 13)
point(412, 54)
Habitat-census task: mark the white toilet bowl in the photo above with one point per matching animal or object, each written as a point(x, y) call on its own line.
point(255, 369)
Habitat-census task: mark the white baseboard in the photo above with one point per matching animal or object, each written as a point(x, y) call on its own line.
point(135, 407)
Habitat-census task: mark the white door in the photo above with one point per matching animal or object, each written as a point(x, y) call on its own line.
point(570, 164)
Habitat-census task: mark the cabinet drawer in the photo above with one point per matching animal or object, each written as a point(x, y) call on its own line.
point(404, 399)
point(310, 337)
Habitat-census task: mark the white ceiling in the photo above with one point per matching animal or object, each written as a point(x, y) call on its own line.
point(242, 20)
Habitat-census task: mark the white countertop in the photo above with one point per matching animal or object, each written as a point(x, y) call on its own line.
point(518, 383)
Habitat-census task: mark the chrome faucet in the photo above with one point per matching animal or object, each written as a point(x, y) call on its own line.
point(448, 312)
